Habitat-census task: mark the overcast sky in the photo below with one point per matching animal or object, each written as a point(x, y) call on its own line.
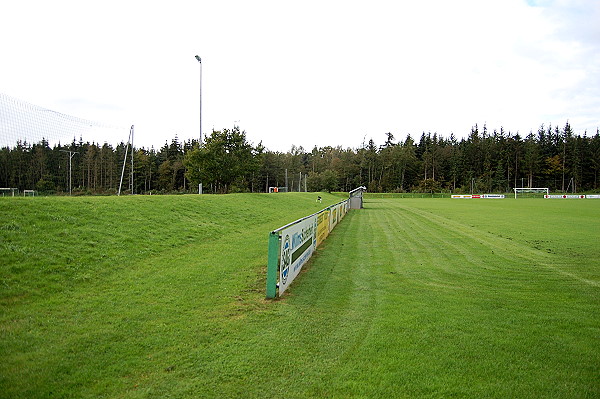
point(307, 72)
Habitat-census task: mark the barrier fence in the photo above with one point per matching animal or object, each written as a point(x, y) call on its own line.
point(291, 246)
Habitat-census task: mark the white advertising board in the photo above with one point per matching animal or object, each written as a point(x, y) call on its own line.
point(477, 196)
point(337, 213)
point(593, 196)
point(564, 196)
point(342, 208)
point(298, 242)
point(333, 217)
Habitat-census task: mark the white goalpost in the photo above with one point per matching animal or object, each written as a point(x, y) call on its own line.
point(541, 190)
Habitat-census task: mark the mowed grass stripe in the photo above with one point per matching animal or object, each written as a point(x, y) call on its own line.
point(451, 256)
point(344, 302)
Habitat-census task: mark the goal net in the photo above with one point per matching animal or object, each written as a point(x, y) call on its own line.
point(531, 192)
point(9, 192)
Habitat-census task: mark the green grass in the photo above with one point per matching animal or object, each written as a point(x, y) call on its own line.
point(159, 297)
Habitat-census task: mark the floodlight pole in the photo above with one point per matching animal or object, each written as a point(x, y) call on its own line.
point(200, 63)
point(71, 154)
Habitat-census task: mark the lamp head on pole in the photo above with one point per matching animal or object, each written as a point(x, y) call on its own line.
point(199, 60)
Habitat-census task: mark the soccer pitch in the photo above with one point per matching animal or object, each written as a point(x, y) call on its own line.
point(406, 298)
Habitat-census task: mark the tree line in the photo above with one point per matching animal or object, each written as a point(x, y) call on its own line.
point(226, 162)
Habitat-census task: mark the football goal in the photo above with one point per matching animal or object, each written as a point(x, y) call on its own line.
point(531, 192)
point(8, 192)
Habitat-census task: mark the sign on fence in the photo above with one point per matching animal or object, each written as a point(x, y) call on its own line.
point(297, 245)
point(565, 196)
point(292, 245)
point(478, 196)
point(322, 226)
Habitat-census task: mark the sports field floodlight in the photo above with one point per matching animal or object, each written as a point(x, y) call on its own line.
point(200, 63)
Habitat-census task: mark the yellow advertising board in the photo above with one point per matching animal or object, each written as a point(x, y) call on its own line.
point(322, 226)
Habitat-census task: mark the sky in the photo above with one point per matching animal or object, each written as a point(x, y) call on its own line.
point(307, 73)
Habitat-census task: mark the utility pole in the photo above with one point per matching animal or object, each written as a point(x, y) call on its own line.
point(200, 63)
point(71, 154)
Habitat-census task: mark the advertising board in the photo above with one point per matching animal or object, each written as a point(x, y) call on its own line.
point(322, 226)
point(298, 242)
point(564, 196)
point(291, 246)
point(477, 196)
point(333, 217)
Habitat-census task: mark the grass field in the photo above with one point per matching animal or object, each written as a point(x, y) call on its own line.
point(155, 297)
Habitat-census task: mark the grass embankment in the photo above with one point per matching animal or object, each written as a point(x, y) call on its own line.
point(106, 295)
point(407, 298)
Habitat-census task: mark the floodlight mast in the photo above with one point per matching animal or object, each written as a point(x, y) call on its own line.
point(200, 63)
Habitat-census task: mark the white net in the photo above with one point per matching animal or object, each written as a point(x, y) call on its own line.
point(537, 192)
point(28, 123)
point(51, 152)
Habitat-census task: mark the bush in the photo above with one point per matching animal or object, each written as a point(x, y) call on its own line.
point(45, 186)
point(429, 186)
